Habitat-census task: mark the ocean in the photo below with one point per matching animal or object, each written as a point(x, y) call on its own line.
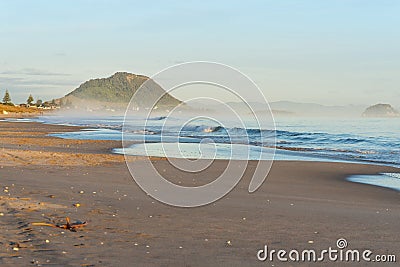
point(357, 140)
point(365, 140)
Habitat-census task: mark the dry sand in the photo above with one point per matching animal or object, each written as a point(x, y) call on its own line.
point(301, 205)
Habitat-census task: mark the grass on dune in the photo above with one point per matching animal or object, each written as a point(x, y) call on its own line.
point(16, 109)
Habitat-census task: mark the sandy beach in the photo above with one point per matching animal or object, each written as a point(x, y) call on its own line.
point(301, 205)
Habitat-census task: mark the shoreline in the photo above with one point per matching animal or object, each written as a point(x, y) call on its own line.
point(288, 153)
point(298, 203)
point(97, 152)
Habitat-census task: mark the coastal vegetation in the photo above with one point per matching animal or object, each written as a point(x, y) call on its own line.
point(117, 88)
point(7, 106)
point(30, 100)
point(5, 109)
point(7, 99)
point(116, 91)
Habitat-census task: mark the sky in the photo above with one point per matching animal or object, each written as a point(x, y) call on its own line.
point(335, 52)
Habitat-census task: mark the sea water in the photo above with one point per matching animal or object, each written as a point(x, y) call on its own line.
point(359, 139)
point(365, 140)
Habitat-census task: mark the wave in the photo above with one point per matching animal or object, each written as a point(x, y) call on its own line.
point(105, 126)
point(221, 129)
point(350, 143)
point(334, 150)
point(203, 128)
point(145, 132)
point(283, 137)
point(392, 174)
point(157, 118)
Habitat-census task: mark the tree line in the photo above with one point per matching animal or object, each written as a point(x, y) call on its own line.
point(30, 101)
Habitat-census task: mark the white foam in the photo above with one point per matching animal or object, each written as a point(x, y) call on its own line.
point(382, 180)
point(392, 174)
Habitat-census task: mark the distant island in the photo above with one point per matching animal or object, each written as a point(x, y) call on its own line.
point(381, 111)
point(116, 91)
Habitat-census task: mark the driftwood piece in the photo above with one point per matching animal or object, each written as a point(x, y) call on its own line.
point(68, 226)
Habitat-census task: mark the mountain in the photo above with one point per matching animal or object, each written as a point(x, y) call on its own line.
point(381, 110)
point(116, 91)
point(315, 110)
point(288, 108)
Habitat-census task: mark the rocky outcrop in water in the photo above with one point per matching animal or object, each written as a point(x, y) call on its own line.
point(381, 111)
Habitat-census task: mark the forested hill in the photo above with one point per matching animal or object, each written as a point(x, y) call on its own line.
point(119, 88)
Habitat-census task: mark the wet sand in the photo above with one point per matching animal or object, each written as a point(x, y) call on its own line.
point(302, 205)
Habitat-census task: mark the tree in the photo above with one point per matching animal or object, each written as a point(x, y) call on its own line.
point(30, 100)
point(7, 98)
point(39, 103)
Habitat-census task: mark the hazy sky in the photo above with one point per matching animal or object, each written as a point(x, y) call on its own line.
point(329, 52)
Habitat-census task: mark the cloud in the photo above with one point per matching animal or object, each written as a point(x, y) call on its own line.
point(39, 86)
point(33, 72)
point(46, 82)
point(45, 87)
point(28, 82)
point(7, 80)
